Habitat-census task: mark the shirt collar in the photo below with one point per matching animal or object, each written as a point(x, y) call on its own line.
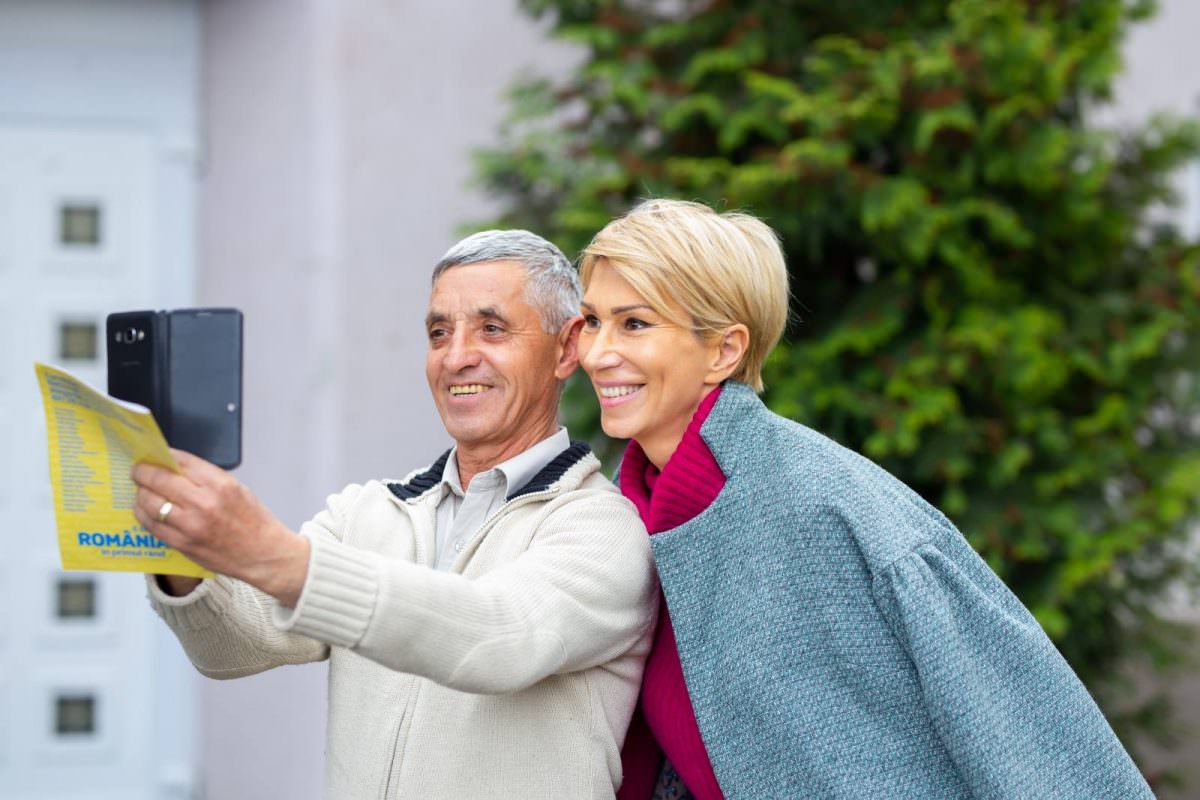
point(516, 471)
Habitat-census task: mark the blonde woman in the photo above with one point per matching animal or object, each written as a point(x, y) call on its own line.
point(826, 632)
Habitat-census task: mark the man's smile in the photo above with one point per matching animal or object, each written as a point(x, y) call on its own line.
point(463, 389)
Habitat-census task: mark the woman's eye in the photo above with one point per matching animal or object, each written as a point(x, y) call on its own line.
point(635, 324)
point(591, 321)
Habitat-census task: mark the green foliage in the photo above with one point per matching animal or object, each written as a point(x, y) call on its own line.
point(985, 305)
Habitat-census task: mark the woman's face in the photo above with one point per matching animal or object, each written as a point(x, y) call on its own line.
point(649, 373)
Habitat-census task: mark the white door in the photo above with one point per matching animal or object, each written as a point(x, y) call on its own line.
point(81, 665)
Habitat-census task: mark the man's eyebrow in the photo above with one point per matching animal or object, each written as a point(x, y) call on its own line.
point(489, 312)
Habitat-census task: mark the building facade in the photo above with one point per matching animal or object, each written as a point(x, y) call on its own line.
point(304, 160)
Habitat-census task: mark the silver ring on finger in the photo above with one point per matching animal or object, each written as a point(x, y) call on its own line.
point(164, 510)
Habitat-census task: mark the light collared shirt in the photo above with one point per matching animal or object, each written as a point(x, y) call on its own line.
point(460, 514)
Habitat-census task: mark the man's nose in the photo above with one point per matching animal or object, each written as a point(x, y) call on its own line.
point(461, 353)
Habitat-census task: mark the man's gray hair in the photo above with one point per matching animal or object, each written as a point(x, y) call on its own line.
point(551, 283)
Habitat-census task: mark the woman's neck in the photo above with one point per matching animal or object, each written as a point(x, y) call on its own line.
point(662, 443)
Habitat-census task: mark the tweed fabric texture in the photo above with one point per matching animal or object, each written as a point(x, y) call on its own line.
point(840, 638)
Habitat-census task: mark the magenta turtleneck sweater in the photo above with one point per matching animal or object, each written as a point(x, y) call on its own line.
point(664, 721)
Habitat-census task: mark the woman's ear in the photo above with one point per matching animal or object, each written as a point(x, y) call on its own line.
point(728, 350)
point(568, 348)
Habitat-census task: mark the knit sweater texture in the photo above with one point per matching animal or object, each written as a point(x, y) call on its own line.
point(513, 675)
point(840, 638)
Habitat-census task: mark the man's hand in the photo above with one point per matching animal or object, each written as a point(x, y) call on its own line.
point(215, 521)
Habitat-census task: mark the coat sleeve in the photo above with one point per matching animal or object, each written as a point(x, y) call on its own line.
point(582, 594)
point(226, 626)
point(1010, 711)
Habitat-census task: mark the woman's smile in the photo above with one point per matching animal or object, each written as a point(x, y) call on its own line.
point(611, 395)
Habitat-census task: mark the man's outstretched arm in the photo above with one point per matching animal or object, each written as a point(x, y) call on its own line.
point(225, 625)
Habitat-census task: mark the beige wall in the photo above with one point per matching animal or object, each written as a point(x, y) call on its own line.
point(336, 141)
point(262, 736)
point(1162, 73)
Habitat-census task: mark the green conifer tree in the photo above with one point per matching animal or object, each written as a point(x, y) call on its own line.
point(986, 302)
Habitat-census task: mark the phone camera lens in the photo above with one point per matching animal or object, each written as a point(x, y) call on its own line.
point(129, 335)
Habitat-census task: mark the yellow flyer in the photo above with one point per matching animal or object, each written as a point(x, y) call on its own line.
point(94, 442)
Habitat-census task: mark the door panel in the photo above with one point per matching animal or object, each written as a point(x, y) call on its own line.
point(77, 670)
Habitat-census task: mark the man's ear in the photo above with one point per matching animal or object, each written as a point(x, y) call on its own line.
point(568, 348)
point(728, 350)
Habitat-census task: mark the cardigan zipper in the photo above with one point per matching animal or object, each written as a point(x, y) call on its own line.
point(491, 522)
point(393, 766)
point(495, 518)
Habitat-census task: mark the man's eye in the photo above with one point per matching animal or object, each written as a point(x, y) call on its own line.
point(437, 333)
point(492, 329)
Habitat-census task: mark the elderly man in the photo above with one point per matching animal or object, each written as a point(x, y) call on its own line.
point(486, 618)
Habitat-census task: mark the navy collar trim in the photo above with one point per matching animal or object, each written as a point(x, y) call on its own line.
point(554, 470)
point(557, 467)
point(423, 482)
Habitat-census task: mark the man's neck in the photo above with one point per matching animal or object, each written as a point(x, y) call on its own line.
point(474, 460)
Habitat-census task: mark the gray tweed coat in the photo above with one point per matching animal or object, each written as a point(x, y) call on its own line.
point(840, 638)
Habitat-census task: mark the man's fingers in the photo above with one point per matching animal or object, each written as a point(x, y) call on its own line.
point(146, 511)
point(196, 468)
point(148, 504)
point(176, 488)
point(146, 520)
point(183, 457)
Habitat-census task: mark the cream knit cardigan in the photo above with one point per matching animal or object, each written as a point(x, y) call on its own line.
point(512, 676)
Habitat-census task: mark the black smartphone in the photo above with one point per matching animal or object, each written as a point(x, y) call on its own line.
point(204, 383)
point(186, 367)
point(137, 366)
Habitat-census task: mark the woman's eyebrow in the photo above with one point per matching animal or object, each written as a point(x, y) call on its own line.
point(618, 309)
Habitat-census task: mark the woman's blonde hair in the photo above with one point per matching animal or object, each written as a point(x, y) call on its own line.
point(721, 269)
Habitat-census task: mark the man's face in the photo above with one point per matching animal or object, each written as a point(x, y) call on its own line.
point(492, 369)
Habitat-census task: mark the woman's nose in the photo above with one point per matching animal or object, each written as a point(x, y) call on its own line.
point(597, 351)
